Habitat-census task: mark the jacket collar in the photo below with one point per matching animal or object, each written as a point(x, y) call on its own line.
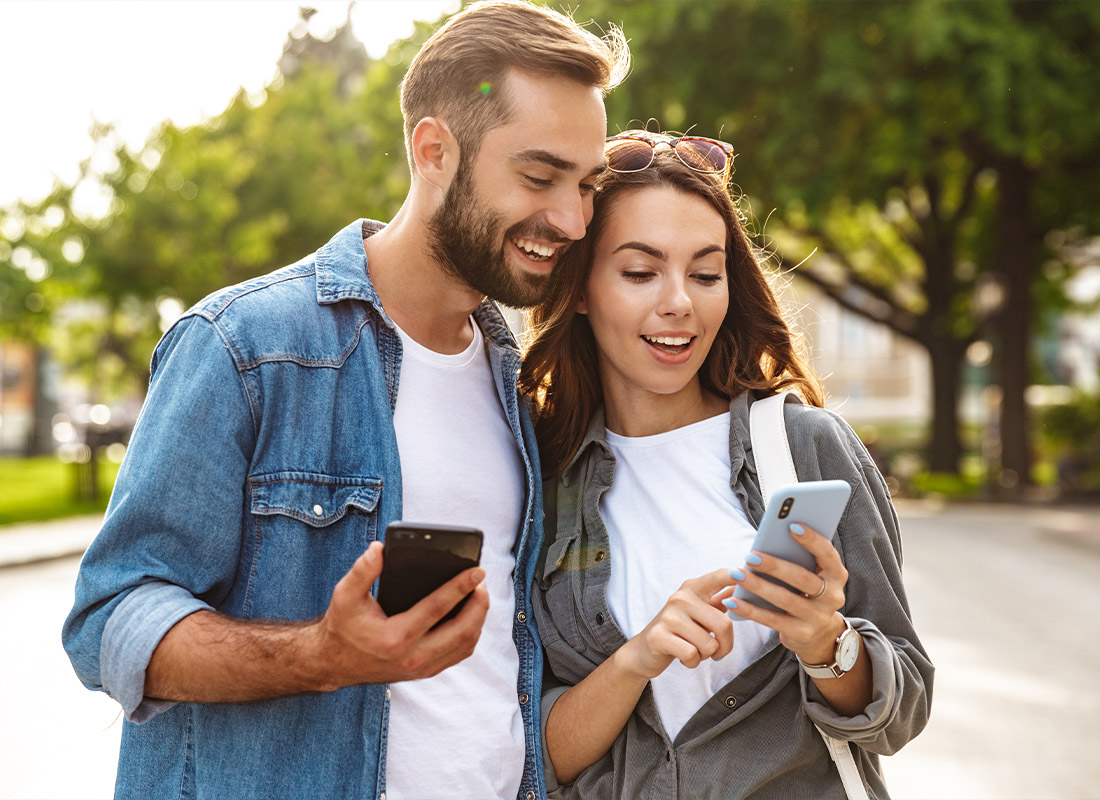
point(343, 273)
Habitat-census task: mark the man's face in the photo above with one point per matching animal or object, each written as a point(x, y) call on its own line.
point(511, 210)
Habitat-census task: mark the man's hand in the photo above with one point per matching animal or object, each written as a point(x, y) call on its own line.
point(209, 657)
point(363, 645)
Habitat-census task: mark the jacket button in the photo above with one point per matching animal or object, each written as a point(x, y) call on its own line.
point(318, 510)
point(522, 616)
point(600, 555)
point(388, 694)
point(523, 698)
point(731, 701)
point(530, 795)
point(599, 619)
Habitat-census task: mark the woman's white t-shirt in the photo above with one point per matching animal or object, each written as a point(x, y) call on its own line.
point(672, 516)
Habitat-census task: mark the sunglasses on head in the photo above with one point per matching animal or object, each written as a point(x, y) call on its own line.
point(635, 150)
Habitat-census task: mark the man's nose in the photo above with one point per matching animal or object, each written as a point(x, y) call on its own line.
point(568, 214)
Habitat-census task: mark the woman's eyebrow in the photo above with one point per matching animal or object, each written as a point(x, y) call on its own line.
point(649, 250)
point(706, 251)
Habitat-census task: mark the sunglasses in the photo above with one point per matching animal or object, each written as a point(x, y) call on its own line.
point(635, 150)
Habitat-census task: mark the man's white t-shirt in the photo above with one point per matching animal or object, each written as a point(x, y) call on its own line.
point(672, 516)
point(460, 734)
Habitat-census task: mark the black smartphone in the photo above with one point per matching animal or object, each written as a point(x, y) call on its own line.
point(418, 558)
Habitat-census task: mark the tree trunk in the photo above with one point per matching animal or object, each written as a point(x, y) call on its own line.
point(944, 447)
point(1015, 255)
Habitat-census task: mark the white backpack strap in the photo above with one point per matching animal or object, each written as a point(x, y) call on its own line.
point(770, 449)
point(775, 467)
point(841, 754)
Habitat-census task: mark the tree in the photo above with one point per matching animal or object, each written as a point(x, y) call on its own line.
point(921, 146)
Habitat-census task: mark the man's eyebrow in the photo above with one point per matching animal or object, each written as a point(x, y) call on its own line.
point(536, 155)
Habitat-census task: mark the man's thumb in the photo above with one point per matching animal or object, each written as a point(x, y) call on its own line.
point(367, 568)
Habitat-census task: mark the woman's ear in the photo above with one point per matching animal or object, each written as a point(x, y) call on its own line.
point(582, 305)
point(434, 152)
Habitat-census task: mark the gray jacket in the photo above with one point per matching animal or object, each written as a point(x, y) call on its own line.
point(755, 737)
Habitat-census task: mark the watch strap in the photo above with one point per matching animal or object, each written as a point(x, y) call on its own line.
point(832, 670)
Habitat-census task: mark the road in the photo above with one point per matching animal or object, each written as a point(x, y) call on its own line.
point(1008, 611)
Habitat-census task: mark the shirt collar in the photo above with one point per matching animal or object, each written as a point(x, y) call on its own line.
point(343, 273)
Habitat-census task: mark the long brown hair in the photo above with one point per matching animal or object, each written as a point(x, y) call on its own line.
point(754, 348)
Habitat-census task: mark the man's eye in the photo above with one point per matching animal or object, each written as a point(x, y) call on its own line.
point(540, 182)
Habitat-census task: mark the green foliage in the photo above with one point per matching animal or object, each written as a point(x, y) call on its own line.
point(43, 488)
point(1072, 431)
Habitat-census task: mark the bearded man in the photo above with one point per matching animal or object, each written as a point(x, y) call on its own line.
point(227, 602)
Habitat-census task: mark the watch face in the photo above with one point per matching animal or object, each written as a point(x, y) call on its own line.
point(847, 650)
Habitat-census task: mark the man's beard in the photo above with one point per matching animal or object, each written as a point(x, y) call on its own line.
point(469, 244)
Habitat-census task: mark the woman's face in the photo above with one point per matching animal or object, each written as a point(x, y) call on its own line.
point(657, 292)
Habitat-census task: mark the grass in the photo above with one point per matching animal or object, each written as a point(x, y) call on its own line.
point(41, 488)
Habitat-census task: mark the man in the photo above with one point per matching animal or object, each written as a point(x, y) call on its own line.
point(227, 604)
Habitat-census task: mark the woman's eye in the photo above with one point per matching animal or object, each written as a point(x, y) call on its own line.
point(637, 275)
point(709, 280)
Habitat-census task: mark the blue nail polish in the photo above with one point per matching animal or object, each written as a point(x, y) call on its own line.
point(729, 602)
point(737, 574)
point(754, 559)
point(797, 529)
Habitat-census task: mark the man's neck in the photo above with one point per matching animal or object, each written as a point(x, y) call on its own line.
point(428, 304)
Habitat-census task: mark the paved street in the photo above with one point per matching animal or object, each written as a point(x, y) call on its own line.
point(1006, 599)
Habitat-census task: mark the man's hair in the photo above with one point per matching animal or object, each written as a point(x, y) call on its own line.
point(754, 348)
point(459, 73)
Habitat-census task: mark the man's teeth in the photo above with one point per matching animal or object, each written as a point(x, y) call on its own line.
point(534, 248)
point(672, 341)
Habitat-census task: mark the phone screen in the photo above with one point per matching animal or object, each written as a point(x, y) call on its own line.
point(418, 558)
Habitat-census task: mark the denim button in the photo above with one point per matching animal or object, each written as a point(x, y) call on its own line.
point(523, 698)
point(318, 510)
point(530, 795)
point(522, 616)
point(388, 694)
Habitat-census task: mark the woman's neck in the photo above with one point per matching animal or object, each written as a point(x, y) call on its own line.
point(646, 413)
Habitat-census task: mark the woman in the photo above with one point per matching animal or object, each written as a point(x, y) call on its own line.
point(659, 332)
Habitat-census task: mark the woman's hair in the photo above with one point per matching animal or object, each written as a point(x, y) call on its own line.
point(753, 349)
point(459, 73)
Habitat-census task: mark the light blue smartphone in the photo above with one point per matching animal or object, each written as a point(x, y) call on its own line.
point(817, 504)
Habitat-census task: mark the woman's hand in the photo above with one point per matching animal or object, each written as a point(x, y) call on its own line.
point(812, 622)
point(691, 627)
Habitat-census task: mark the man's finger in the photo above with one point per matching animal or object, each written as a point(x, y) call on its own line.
point(431, 609)
point(365, 571)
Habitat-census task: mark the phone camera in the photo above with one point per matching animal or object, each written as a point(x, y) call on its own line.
point(785, 509)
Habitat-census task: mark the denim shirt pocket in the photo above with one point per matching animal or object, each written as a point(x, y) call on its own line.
point(308, 529)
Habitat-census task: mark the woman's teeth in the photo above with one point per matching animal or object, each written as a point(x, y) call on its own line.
point(670, 341)
point(534, 250)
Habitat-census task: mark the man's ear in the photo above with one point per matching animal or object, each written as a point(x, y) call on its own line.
point(434, 152)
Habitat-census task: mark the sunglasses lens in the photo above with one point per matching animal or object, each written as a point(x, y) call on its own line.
point(702, 155)
point(628, 155)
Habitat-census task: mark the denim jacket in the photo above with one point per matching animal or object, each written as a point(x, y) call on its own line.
point(755, 737)
point(262, 465)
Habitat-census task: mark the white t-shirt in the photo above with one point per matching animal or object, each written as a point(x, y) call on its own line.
point(460, 465)
point(671, 516)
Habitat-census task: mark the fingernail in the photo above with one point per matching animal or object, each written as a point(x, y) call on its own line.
point(797, 529)
point(736, 574)
point(754, 559)
point(477, 576)
point(371, 553)
point(729, 602)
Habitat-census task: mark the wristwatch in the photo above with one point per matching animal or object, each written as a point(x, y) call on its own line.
point(844, 656)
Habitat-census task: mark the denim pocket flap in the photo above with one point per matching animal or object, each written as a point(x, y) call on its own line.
point(315, 499)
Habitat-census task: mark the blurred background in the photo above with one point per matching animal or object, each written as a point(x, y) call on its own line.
point(925, 176)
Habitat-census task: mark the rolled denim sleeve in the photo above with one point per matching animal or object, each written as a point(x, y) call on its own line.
point(171, 538)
